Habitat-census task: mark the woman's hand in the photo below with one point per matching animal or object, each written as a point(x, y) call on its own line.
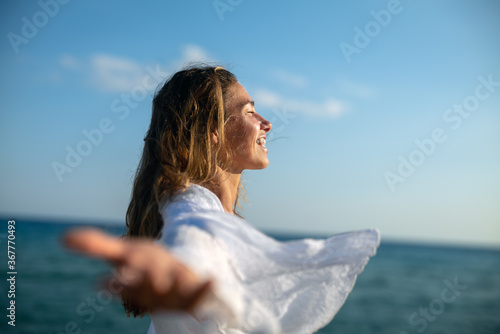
point(149, 275)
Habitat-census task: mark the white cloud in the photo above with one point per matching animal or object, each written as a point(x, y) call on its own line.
point(70, 62)
point(330, 107)
point(356, 90)
point(289, 78)
point(192, 54)
point(267, 98)
point(111, 73)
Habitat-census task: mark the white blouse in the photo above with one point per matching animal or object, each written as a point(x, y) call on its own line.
point(261, 285)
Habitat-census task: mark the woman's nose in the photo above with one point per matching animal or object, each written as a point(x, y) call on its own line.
point(265, 124)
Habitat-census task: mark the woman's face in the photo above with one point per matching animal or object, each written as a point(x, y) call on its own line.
point(245, 131)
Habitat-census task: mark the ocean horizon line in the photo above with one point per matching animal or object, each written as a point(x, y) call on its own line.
point(285, 235)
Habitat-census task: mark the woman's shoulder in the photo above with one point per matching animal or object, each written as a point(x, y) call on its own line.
point(197, 207)
point(194, 198)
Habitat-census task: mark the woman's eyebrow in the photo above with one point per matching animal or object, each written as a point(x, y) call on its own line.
point(244, 103)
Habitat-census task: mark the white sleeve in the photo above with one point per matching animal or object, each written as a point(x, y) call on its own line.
point(262, 285)
point(231, 304)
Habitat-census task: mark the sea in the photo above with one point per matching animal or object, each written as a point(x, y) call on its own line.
point(405, 288)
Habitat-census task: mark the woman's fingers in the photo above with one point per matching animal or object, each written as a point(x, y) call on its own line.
point(95, 243)
point(146, 273)
point(130, 276)
point(162, 280)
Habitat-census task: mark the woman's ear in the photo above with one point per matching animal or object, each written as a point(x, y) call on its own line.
point(215, 137)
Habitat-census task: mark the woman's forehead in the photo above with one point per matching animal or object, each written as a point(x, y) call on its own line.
point(238, 97)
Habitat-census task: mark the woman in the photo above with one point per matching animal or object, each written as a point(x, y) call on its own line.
point(219, 275)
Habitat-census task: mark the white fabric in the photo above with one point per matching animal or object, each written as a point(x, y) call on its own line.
point(262, 285)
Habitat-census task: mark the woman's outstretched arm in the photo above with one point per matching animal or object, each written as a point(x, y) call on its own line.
point(149, 274)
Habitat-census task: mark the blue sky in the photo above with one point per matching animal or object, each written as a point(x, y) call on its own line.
point(385, 113)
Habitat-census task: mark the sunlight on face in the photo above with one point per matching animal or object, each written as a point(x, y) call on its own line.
point(246, 131)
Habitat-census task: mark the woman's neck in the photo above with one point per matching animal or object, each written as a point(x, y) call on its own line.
point(226, 188)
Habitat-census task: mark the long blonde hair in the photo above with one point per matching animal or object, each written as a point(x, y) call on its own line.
point(178, 148)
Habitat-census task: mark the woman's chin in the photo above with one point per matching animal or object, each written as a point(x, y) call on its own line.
point(263, 164)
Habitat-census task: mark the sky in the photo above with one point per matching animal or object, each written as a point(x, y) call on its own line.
point(385, 113)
